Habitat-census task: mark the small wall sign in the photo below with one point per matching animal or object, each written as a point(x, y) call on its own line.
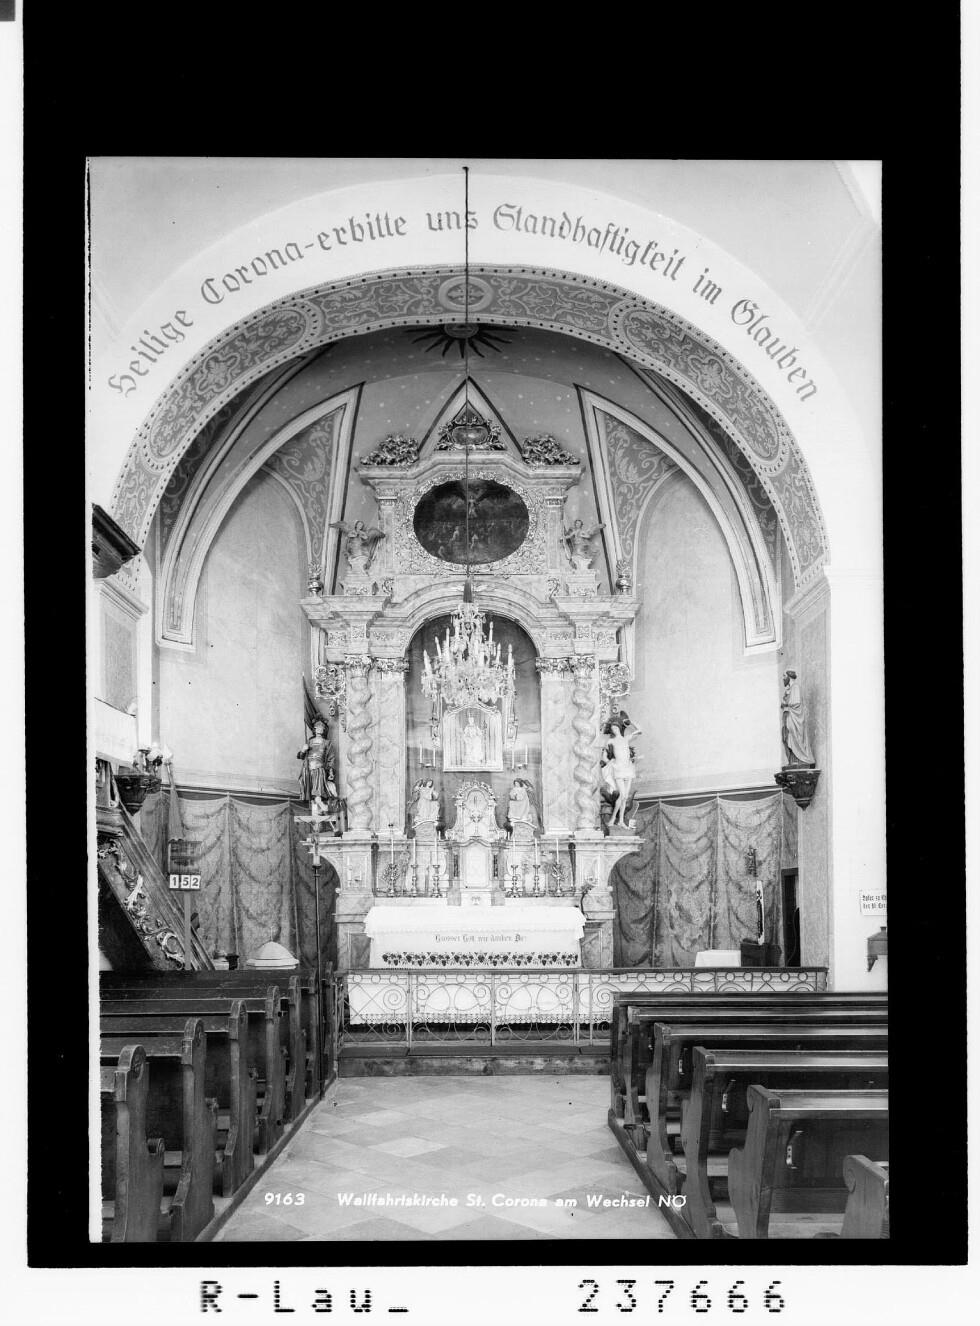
point(874, 902)
point(185, 882)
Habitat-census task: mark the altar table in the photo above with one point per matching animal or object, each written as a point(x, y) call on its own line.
point(438, 935)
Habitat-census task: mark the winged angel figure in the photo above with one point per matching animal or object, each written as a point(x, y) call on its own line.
point(361, 544)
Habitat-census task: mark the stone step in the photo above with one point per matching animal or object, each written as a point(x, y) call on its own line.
point(478, 1060)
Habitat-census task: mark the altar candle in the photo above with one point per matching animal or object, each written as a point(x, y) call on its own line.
point(512, 749)
point(525, 754)
point(391, 834)
point(415, 843)
point(537, 860)
point(556, 847)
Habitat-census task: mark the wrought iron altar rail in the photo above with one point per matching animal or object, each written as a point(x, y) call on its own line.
point(493, 1006)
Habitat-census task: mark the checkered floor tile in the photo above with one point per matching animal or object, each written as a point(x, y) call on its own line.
point(422, 1158)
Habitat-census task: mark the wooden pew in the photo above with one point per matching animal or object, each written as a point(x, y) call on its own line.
point(268, 1033)
point(671, 1070)
point(717, 1114)
point(299, 1034)
point(132, 1163)
point(229, 1077)
point(793, 1158)
point(866, 1213)
point(635, 1016)
point(179, 1112)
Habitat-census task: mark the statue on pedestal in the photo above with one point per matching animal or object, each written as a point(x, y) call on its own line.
point(796, 742)
point(317, 778)
point(474, 743)
point(522, 806)
point(424, 805)
point(618, 766)
point(578, 542)
point(361, 544)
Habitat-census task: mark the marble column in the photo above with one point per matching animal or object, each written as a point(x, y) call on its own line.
point(585, 704)
point(389, 770)
point(360, 743)
point(556, 801)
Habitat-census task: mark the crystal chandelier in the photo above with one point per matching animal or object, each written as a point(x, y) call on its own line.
point(468, 668)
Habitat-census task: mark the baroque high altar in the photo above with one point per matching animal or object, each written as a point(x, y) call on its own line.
point(472, 833)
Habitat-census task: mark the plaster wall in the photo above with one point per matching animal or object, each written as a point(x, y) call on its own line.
point(232, 709)
point(709, 713)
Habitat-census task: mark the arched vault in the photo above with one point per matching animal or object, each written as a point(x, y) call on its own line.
point(642, 331)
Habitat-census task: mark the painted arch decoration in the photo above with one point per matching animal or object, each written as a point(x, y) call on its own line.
point(642, 331)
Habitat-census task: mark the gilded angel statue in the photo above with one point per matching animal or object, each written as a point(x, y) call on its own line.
point(361, 546)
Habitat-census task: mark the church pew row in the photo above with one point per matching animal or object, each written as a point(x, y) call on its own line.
point(670, 1074)
point(229, 1078)
point(298, 992)
point(866, 1213)
point(792, 1163)
point(267, 1038)
point(716, 1118)
point(179, 1111)
point(634, 1016)
point(132, 1163)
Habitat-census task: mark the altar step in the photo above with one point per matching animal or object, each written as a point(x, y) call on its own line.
point(478, 1060)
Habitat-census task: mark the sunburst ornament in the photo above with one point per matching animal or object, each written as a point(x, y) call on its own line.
point(464, 336)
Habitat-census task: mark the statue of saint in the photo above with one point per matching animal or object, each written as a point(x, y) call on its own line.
point(474, 743)
point(578, 542)
point(361, 544)
point(317, 777)
point(424, 805)
point(522, 806)
point(618, 766)
point(794, 716)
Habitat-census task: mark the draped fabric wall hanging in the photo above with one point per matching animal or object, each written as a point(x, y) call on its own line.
point(257, 881)
point(687, 889)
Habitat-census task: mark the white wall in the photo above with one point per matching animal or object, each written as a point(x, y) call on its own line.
point(709, 714)
point(232, 710)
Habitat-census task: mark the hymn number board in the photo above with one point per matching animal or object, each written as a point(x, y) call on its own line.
point(185, 883)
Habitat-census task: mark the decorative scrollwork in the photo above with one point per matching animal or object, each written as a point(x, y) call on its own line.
point(395, 449)
point(391, 664)
point(330, 681)
point(614, 682)
point(552, 667)
point(545, 450)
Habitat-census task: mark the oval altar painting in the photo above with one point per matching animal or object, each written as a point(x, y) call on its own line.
point(498, 521)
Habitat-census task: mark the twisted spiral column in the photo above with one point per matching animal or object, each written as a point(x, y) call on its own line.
point(583, 723)
point(359, 743)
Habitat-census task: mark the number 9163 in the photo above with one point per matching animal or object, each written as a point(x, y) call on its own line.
point(285, 1198)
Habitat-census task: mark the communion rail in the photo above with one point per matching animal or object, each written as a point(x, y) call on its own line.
point(495, 1006)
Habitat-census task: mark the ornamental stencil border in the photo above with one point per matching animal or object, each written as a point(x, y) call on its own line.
point(551, 300)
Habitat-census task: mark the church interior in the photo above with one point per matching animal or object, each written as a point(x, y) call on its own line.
point(486, 702)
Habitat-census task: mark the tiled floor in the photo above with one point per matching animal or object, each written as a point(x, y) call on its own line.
point(505, 1148)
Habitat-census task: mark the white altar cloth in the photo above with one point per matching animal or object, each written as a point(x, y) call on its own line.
point(440, 935)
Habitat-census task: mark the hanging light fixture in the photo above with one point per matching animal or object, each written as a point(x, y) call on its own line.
point(468, 668)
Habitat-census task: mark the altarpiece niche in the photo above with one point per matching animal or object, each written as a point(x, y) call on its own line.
point(471, 660)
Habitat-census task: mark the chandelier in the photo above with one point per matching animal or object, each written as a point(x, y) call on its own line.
point(468, 668)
